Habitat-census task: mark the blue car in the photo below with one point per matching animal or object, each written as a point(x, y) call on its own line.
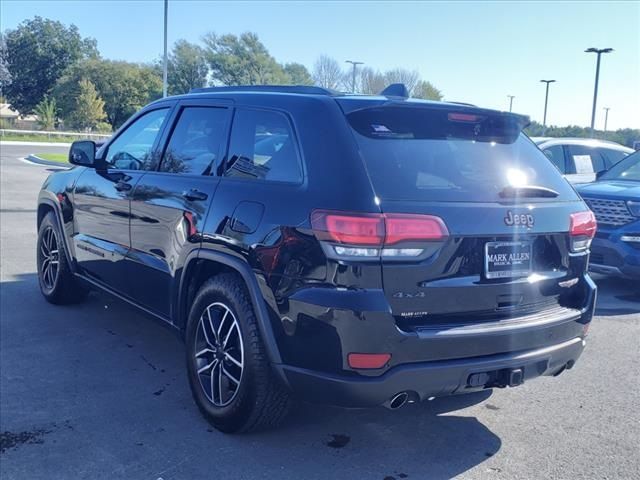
point(615, 200)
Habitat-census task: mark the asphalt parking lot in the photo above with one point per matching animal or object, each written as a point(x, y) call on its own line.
point(99, 391)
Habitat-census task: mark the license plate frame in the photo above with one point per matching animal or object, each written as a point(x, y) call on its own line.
point(512, 254)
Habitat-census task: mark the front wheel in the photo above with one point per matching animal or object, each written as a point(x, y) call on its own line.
point(57, 282)
point(229, 373)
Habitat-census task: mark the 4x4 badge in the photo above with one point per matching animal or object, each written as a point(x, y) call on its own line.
point(511, 220)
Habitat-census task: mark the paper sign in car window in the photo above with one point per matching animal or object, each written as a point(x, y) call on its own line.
point(583, 163)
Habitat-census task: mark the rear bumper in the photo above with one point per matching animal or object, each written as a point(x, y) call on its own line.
point(432, 378)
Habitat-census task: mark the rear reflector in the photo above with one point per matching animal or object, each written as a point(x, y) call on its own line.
point(376, 229)
point(368, 360)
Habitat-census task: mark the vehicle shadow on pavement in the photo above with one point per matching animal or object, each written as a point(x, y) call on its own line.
point(108, 384)
point(616, 296)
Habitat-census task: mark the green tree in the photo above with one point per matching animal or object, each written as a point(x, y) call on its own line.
point(125, 87)
point(426, 91)
point(187, 68)
point(241, 60)
point(88, 110)
point(5, 76)
point(298, 74)
point(38, 52)
point(47, 113)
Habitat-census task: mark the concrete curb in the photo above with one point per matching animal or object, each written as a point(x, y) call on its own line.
point(50, 163)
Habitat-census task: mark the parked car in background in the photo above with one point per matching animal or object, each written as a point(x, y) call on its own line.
point(581, 159)
point(615, 200)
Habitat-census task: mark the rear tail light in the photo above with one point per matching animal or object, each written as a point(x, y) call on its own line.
point(376, 234)
point(582, 229)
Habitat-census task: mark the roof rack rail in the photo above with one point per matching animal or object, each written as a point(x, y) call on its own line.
point(301, 89)
point(461, 103)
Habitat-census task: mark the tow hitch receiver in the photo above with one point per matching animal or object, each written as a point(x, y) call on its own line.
point(507, 377)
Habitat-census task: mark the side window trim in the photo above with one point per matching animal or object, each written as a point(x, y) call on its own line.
point(170, 127)
point(222, 168)
point(170, 107)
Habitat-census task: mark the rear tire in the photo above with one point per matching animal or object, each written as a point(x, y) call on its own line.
point(57, 282)
point(230, 377)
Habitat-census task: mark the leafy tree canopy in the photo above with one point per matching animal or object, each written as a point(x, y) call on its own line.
point(38, 52)
point(125, 87)
point(298, 74)
point(47, 113)
point(241, 60)
point(624, 136)
point(5, 76)
point(88, 108)
point(187, 68)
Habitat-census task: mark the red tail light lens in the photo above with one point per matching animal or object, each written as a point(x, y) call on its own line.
point(347, 228)
point(368, 234)
point(583, 223)
point(582, 228)
point(402, 228)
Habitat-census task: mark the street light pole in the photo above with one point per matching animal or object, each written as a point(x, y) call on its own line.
point(606, 118)
point(511, 97)
point(164, 63)
point(546, 100)
point(599, 51)
point(353, 79)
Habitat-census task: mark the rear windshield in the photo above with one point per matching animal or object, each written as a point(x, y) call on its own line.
point(429, 154)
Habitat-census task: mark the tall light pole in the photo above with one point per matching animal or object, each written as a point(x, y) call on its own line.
point(606, 117)
point(599, 51)
point(164, 63)
point(353, 79)
point(546, 100)
point(511, 97)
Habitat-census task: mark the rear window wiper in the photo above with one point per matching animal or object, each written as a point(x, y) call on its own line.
point(528, 191)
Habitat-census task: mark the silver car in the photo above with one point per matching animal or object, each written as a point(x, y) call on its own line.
point(581, 159)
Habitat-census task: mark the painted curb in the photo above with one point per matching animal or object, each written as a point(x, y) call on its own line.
point(50, 163)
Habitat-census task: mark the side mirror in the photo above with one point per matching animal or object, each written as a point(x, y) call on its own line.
point(83, 153)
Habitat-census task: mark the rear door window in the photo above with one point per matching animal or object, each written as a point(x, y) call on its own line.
point(196, 141)
point(263, 147)
point(432, 154)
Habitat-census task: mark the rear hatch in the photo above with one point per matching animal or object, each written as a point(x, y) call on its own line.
point(513, 235)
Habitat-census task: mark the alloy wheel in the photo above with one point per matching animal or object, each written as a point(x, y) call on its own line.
point(219, 354)
point(50, 258)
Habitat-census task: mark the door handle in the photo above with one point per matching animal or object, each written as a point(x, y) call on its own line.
point(194, 195)
point(122, 186)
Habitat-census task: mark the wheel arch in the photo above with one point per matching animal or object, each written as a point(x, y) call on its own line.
point(46, 205)
point(202, 264)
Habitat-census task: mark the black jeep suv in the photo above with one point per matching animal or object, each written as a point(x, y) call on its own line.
point(351, 250)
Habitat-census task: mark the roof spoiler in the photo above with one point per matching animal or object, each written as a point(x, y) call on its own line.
point(396, 90)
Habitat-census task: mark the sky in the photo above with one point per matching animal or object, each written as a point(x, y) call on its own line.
point(477, 52)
